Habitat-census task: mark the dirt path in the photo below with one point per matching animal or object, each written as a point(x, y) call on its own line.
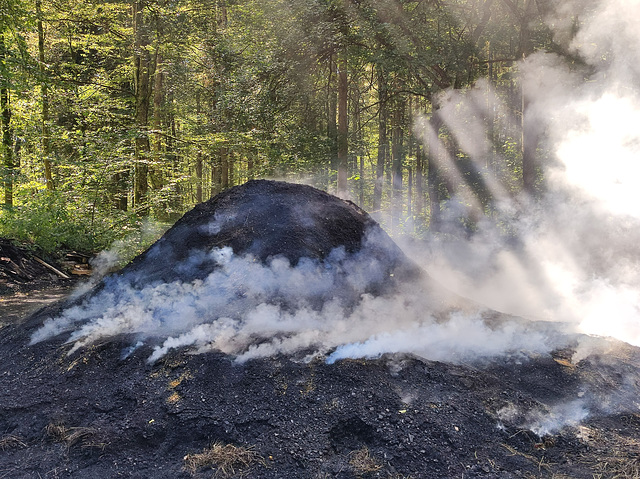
point(19, 305)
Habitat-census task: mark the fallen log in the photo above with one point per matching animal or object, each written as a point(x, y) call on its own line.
point(48, 266)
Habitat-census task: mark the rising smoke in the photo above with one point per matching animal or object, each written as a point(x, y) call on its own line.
point(573, 256)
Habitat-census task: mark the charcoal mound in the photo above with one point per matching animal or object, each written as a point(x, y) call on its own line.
point(267, 219)
point(334, 248)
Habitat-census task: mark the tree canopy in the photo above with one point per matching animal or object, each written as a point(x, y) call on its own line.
point(114, 111)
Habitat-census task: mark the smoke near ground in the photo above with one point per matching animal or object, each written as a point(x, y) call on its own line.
point(251, 309)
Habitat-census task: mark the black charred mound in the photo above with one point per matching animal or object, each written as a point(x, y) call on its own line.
point(95, 415)
point(266, 219)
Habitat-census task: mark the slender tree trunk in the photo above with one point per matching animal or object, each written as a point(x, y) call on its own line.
point(530, 131)
point(332, 122)
point(156, 176)
point(343, 125)
point(222, 14)
point(224, 168)
point(199, 178)
point(419, 181)
point(250, 167)
point(142, 71)
point(433, 176)
point(7, 144)
point(410, 180)
point(383, 142)
point(119, 189)
point(396, 162)
point(46, 134)
point(216, 177)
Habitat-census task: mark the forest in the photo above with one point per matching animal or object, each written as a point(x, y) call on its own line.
point(119, 116)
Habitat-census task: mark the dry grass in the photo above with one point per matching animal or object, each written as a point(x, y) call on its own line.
point(9, 441)
point(541, 463)
point(362, 462)
point(621, 459)
point(618, 467)
point(227, 459)
point(70, 436)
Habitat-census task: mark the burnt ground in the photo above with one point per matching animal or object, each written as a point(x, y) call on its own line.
point(93, 414)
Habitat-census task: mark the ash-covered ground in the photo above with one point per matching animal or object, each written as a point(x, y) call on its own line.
point(282, 325)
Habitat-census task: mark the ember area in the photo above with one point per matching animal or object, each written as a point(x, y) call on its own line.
point(261, 337)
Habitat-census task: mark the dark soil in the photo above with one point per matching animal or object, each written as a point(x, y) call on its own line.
point(26, 285)
point(95, 415)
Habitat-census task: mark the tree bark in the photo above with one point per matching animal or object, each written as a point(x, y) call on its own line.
point(156, 176)
point(396, 162)
point(530, 133)
point(46, 134)
point(343, 125)
point(433, 176)
point(7, 143)
point(332, 122)
point(142, 71)
point(419, 181)
point(199, 178)
point(224, 168)
point(383, 142)
point(216, 177)
point(410, 180)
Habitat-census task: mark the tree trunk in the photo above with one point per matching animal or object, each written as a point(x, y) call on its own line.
point(410, 180)
point(343, 125)
point(221, 14)
point(224, 168)
point(530, 132)
point(332, 123)
point(142, 71)
point(46, 134)
point(216, 177)
point(396, 162)
point(250, 167)
point(383, 142)
point(419, 181)
point(433, 177)
point(199, 178)
point(7, 144)
point(156, 177)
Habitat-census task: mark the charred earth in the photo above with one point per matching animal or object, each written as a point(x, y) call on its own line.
point(108, 384)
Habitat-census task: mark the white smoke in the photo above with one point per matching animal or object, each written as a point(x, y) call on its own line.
point(250, 309)
point(574, 256)
point(548, 422)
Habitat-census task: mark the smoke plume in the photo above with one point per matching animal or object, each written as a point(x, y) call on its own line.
point(574, 255)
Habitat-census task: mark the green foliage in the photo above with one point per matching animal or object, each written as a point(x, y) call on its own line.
point(239, 90)
point(51, 220)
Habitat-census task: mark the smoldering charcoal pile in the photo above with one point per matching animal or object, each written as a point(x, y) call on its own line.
point(94, 413)
point(267, 219)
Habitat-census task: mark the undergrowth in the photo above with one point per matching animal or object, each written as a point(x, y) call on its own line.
point(52, 220)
